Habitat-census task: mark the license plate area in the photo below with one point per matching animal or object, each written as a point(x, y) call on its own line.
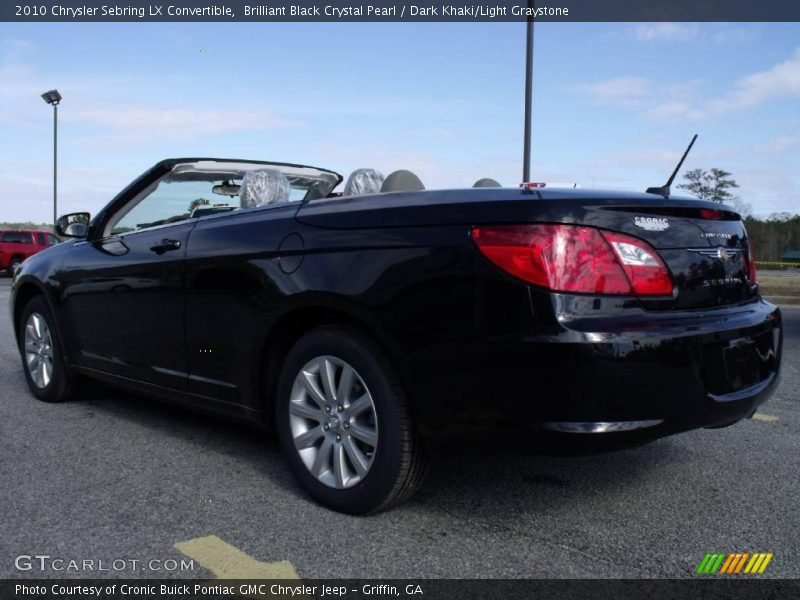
point(732, 365)
point(742, 363)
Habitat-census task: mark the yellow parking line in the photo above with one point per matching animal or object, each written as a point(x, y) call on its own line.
point(765, 418)
point(228, 562)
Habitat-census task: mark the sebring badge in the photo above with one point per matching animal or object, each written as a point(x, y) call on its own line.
point(651, 223)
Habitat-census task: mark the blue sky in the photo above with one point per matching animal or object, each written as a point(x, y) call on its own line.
point(614, 103)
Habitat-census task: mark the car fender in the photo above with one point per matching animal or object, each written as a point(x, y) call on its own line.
point(31, 280)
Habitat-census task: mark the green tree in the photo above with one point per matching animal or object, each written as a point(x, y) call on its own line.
point(710, 185)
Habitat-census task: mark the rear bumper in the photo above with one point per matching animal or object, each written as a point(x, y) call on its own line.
point(670, 373)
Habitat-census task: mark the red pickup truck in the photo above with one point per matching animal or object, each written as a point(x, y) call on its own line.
point(17, 245)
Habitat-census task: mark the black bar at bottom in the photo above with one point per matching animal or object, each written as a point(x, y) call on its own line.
point(714, 587)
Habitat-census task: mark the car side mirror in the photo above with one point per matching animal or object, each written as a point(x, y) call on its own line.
point(73, 225)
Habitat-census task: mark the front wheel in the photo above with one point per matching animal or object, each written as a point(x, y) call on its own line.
point(344, 424)
point(42, 361)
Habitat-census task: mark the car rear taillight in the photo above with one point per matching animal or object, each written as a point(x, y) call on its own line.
point(570, 258)
point(645, 269)
point(752, 275)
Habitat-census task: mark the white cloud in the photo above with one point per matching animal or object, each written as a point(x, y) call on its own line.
point(733, 35)
point(686, 32)
point(782, 143)
point(13, 66)
point(666, 32)
point(678, 103)
point(627, 91)
point(657, 101)
point(676, 111)
point(178, 123)
point(10, 71)
point(21, 85)
point(16, 49)
point(781, 80)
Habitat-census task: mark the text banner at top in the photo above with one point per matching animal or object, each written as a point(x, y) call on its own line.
point(414, 11)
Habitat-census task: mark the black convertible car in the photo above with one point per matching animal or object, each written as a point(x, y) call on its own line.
point(359, 324)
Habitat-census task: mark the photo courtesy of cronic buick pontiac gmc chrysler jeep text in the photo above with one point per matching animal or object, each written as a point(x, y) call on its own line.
point(360, 324)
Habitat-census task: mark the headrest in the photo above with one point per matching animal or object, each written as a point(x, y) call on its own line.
point(363, 181)
point(487, 182)
point(402, 181)
point(263, 186)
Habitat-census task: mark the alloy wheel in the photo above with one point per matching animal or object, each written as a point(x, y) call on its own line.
point(38, 350)
point(333, 422)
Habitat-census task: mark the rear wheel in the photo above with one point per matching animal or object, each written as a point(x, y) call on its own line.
point(344, 425)
point(42, 360)
point(14, 265)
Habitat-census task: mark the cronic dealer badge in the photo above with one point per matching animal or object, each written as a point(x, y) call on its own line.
point(651, 223)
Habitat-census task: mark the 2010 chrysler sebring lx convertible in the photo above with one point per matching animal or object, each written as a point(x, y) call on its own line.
point(359, 324)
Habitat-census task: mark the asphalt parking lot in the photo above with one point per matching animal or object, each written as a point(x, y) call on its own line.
point(114, 477)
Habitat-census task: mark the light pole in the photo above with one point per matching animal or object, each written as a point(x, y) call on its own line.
point(526, 153)
point(53, 97)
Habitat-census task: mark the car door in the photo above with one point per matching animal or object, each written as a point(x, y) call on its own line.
point(123, 293)
point(234, 284)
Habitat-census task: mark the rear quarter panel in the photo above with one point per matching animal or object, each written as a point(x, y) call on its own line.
point(419, 291)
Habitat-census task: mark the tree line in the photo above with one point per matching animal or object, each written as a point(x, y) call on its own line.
point(771, 237)
point(774, 236)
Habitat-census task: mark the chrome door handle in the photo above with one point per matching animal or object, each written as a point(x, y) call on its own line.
point(166, 246)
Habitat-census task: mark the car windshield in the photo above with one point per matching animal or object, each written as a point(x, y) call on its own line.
point(210, 187)
point(307, 183)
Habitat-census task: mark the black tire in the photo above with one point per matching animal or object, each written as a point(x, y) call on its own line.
point(15, 264)
point(60, 386)
point(398, 464)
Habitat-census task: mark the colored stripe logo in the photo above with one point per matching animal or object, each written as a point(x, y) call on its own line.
point(734, 563)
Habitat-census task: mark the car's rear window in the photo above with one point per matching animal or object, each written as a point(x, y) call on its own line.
point(18, 237)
